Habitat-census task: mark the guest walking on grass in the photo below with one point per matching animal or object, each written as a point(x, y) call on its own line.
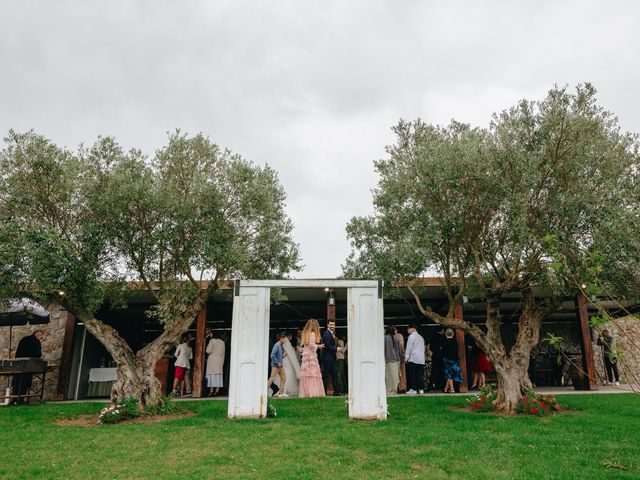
point(277, 365)
point(310, 375)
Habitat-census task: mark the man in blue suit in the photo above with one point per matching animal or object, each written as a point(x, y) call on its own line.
point(329, 363)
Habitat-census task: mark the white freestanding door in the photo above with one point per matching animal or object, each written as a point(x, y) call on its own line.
point(365, 321)
point(249, 352)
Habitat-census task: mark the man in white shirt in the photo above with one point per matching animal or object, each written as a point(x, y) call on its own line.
point(414, 358)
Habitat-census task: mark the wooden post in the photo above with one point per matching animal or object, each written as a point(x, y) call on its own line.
point(331, 316)
point(588, 360)
point(198, 364)
point(462, 351)
point(64, 375)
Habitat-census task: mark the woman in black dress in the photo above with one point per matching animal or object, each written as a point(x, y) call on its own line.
point(452, 370)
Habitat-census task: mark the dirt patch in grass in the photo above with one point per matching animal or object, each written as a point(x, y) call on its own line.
point(91, 420)
point(458, 408)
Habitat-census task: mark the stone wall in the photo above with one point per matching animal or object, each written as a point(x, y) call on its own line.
point(51, 347)
point(626, 334)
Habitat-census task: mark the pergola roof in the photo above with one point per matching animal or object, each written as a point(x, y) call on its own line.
point(306, 298)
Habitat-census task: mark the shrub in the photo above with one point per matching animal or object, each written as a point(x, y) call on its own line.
point(539, 405)
point(483, 401)
point(117, 412)
point(165, 407)
point(271, 410)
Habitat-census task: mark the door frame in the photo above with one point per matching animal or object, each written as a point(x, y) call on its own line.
point(367, 398)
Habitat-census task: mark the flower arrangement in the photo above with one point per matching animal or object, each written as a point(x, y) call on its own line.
point(529, 404)
point(117, 412)
point(483, 401)
point(539, 405)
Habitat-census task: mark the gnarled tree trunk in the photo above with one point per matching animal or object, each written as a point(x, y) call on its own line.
point(512, 369)
point(510, 376)
point(136, 371)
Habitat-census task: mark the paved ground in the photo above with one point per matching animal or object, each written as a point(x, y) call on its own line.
point(609, 389)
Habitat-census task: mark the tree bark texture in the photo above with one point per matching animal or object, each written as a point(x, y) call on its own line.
point(136, 371)
point(511, 367)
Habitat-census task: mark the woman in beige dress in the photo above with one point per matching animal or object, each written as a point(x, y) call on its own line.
point(215, 365)
point(402, 386)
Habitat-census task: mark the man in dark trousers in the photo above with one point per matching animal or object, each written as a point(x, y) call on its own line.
point(28, 347)
point(329, 362)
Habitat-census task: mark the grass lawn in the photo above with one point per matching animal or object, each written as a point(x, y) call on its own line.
point(313, 438)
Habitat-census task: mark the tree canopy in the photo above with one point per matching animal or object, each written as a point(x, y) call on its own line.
point(78, 226)
point(527, 205)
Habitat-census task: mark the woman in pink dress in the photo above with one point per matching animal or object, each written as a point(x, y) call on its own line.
point(310, 374)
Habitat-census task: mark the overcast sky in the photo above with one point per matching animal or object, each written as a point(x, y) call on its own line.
point(311, 88)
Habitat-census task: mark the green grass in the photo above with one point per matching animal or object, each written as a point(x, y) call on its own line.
point(423, 438)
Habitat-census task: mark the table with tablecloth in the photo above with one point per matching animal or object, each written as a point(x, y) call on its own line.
point(100, 381)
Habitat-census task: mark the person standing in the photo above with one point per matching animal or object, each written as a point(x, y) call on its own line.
point(391, 361)
point(215, 365)
point(310, 375)
point(291, 366)
point(610, 356)
point(402, 385)
point(329, 359)
point(188, 378)
point(183, 356)
point(436, 379)
point(414, 357)
point(277, 365)
point(28, 347)
point(452, 370)
point(340, 358)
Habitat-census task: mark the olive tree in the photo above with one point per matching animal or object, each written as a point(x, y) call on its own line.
point(488, 209)
point(177, 224)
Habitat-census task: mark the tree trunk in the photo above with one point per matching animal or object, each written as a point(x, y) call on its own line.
point(137, 381)
point(509, 388)
point(136, 373)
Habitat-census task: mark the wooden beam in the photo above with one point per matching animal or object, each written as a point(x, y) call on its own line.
point(313, 283)
point(64, 375)
point(198, 364)
point(588, 360)
point(462, 352)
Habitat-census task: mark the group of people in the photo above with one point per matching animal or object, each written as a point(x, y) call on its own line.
point(303, 364)
point(405, 366)
point(215, 351)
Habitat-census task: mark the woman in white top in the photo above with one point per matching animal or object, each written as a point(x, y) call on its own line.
point(183, 354)
point(215, 365)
